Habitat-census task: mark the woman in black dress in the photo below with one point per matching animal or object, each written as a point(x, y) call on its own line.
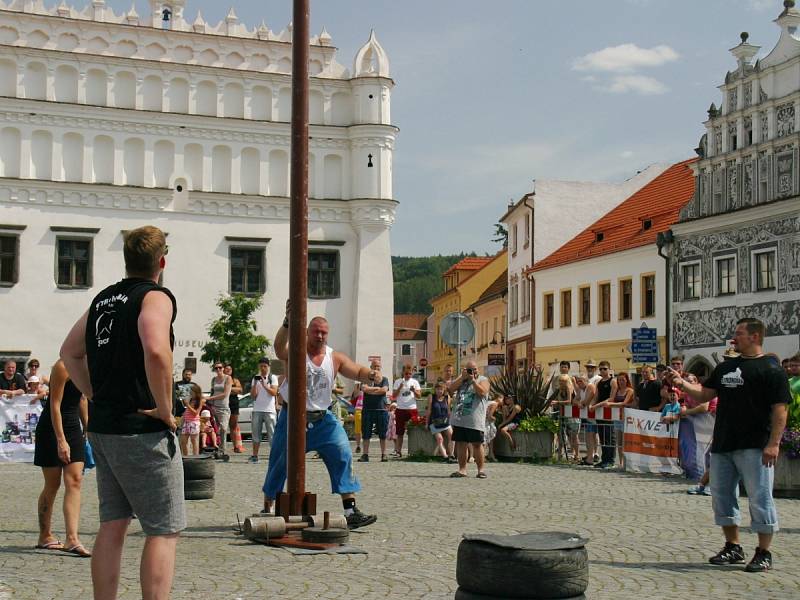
point(60, 452)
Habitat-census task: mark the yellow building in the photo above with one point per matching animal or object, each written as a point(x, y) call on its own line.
point(464, 283)
point(488, 314)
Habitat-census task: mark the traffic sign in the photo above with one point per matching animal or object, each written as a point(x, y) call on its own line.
point(644, 344)
point(423, 362)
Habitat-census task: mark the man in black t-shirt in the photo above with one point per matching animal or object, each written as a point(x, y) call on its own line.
point(753, 394)
point(374, 413)
point(11, 383)
point(119, 354)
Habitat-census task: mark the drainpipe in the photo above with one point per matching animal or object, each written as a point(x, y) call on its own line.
point(663, 239)
point(532, 298)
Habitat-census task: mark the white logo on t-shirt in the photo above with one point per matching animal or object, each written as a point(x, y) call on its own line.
point(733, 379)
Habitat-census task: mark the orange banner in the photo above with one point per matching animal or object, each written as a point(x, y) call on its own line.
point(650, 445)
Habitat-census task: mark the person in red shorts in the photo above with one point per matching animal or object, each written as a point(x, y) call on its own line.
point(405, 393)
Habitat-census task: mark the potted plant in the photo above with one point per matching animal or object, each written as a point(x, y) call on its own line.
point(420, 439)
point(787, 469)
point(530, 388)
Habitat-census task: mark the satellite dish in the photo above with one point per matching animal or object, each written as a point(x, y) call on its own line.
point(456, 329)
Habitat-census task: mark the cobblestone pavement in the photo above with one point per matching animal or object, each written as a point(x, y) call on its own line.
point(648, 537)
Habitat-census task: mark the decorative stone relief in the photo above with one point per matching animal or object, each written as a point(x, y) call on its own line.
point(718, 139)
point(733, 188)
point(747, 184)
point(698, 328)
point(733, 97)
point(785, 115)
point(784, 167)
point(748, 94)
point(762, 97)
point(762, 118)
point(748, 131)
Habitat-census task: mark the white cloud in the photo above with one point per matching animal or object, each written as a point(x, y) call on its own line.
point(639, 84)
point(625, 58)
point(626, 154)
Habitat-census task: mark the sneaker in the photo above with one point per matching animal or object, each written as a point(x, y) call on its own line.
point(698, 490)
point(253, 459)
point(452, 460)
point(364, 458)
point(384, 458)
point(731, 554)
point(358, 519)
point(761, 562)
point(358, 449)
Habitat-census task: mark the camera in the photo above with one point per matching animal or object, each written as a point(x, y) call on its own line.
point(470, 371)
point(257, 378)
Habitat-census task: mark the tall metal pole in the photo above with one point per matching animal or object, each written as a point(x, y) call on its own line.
point(298, 259)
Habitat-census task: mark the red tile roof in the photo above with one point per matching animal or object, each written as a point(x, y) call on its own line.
point(405, 326)
point(660, 201)
point(470, 263)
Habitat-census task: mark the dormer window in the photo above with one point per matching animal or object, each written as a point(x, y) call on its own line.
point(647, 224)
point(599, 236)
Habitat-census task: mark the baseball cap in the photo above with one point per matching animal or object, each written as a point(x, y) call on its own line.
point(205, 413)
point(33, 379)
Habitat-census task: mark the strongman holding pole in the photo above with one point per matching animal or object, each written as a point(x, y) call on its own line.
point(324, 433)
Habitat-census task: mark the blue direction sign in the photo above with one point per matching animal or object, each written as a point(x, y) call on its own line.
point(644, 345)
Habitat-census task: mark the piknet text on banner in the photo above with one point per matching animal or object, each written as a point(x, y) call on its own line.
point(650, 446)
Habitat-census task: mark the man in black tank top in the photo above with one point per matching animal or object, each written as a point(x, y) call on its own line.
point(605, 427)
point(119, 354)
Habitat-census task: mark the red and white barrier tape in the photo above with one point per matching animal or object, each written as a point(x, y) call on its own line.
point(606, 413)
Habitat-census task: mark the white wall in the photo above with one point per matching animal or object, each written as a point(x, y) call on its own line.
point(611, 268)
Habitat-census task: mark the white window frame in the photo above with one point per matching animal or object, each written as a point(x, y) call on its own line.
point(754, 254)
point(719, 259)
point(682, 278)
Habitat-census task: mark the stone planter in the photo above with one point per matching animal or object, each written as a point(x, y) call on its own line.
point(420, 440)
point(530, 444)
point(787, 477)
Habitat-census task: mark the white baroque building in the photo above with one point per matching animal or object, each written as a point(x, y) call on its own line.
point(110, 121)
point(736, 248)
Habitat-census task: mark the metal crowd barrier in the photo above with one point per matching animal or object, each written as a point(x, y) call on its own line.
point(604, 423)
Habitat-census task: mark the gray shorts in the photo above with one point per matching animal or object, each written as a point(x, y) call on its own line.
point(143, 475)
point(261, 420)
point(222, 413)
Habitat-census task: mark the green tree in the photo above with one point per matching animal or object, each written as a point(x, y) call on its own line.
point(233, 337)
point(500, 234)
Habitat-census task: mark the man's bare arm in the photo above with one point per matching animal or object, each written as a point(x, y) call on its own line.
point(351, 369)
point(73, 353)
point(153, 325)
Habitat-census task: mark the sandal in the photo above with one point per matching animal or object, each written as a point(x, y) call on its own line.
point(78, 550)
point(457, 474)
point(481, 475)
point(52, 545)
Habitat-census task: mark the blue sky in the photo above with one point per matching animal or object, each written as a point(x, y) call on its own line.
point(491, 95)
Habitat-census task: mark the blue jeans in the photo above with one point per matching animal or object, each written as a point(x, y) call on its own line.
point(727, 470)
point(327, 437)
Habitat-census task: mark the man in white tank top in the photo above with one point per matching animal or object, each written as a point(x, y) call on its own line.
point(324, 433)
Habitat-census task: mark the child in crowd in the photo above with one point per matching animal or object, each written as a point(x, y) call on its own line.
point(190, 426)
point(438, 420)
point(391, 430)
point(208, 437)
point(671, 412)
